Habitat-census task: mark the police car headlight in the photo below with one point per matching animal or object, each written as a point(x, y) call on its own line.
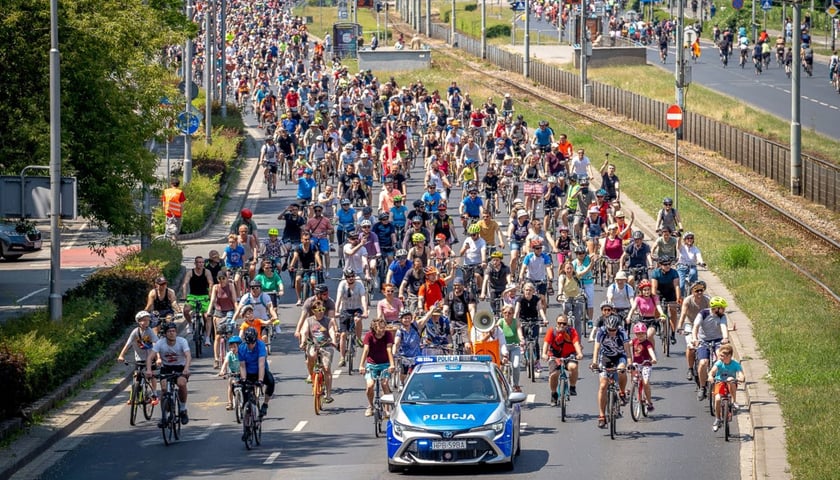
point(497, 428)
point(397, 428)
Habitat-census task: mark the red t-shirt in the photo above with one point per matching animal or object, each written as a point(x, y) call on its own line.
point(640, 350)
point(431, 293)
point(378, 347)
point(561, 343)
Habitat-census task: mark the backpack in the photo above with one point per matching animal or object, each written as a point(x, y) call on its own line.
point(262, 301)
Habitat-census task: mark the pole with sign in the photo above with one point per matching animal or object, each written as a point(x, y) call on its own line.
point(674, 117)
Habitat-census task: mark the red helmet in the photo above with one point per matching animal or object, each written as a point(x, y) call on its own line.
point(440, 237)
point(246, 213)
point(536, 242)
point(431, 270)
point(644, 284)
point(639, 327)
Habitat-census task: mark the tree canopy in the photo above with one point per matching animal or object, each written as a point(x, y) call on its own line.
point(112, 81)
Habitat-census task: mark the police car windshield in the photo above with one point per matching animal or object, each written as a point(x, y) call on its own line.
point(450, 387)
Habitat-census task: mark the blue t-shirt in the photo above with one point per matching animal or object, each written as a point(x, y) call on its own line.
point(725, 371)
point(398, 216)
point(398, 273)
point(432, 201)
point(346, 219)
point(251, 358)
point(383, 234)
point(409, 341)
point(233, 257)
point(543, 136)
point(305, 186)
point(473, 206)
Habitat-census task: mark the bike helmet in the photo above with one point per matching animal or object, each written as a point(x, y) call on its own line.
point(319, 138)
point(552, 179)
point(250, 335)
point(418, 237)
point(497, 254)
point(667, 201)
point(406, 312)
point(346, 201)
point(417, 219)
point(563, 228)
point(536, 243)
point(517, 200)
point(521, 213)
point(638, 235)
point(718, 302)
point(321, 288)
point(580, 249)
point(141, 315)
point(688, 235)
point(601, 193)
point(665, 260)
point(442, 207)
point(698, 284)
point(440, 237)
point(594, 210)
point(474, 228)
point(171, 326)
point(402, 253)
point(246, 213)
point(349, 273)
point(353, 234)
point(308, 171)
point(583, 181)
point(365, 223)
point(470, 161)
point(612, 322)
point(418, 204)
point(384, 216)
point(607, 303)
point(273, 231)
point(431, 270)
point(644, 284)
point(639, 327)
point(367, 211)
point(573, 177)
point(234, 339)
point(364, 155)
point(398, 198)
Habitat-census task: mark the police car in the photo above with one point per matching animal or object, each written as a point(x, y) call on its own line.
point(454, 410)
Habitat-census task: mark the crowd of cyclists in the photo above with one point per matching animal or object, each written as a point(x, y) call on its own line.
point(538, 224)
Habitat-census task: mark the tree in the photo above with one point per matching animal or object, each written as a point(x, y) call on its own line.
point(112, 81)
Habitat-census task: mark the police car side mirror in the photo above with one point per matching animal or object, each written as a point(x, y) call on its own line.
point(387, 399)
point(517, 397)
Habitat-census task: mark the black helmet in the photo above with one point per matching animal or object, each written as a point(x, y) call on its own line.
point(638, 235)
point(346, 201)
point(250, 335)
point(255, 283)
point(665, 260)
point(384, 215)
point(418, 203)
point(612, 322)
point(349, 273)
point(168, 326)
point(321, 288)
point(573, 177)
point(580, 249)
point(367, 211)
point(668, 200)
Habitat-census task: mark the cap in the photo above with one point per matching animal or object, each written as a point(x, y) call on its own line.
point(160, 280)
point(521, 213)
point(593, 210)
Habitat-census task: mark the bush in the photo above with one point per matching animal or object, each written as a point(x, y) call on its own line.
point(13, 375)
point(498, 31)
point(201, 196)
point(740, 255)
point(471, 7)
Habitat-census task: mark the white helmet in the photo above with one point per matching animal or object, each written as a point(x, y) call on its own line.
point(521, 213)
point(517, 200)
point(365, 223)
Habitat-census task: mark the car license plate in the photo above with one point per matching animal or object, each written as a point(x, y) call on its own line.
point(37, 244)
point(450, 445)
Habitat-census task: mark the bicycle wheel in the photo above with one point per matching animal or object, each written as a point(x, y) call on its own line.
point(350, 351)
point(562, 390)
point(711, 398)
point(316, 390)
point(666, 337)
point(529, 361)
point(636, 406)
point(136, 390)
point(166, 419)
point(725, 412)
point(148, 406)
point(175, 419)
point(237, 405)
point(612, 413)
point(247, 420)
point(258, 432)
point(198, 340)
point(377, 419)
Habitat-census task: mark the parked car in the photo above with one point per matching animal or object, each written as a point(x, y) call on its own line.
point(17, 239)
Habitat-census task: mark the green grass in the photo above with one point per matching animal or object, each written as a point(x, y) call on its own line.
point(796, 326)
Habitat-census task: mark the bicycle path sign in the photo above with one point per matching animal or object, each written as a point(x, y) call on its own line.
point(188, 122)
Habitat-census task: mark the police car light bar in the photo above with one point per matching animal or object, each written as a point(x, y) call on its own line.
point(452, 358)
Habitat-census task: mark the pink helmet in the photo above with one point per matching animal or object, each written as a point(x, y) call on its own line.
point(639, 327)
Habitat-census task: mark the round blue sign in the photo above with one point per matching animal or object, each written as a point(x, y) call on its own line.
point(737, 4)
point(188, 122)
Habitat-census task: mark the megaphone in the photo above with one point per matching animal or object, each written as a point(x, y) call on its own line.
point(484, 321)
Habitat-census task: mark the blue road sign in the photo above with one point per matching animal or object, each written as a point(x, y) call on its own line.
point(766, 5)
point(737, 4)
point(188, 122)
point(519, 7)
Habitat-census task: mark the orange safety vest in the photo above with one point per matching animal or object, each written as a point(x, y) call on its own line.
point(172, 198)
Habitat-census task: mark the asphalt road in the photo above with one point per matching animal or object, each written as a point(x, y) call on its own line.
point(675, 442)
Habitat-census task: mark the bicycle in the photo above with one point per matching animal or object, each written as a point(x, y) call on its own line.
point(196, 302)
point(397, 381)
point(638, 399)
point(226, 330)
point(170, 232)
point(238, 400)
point(319, 387)
point(531, 355)
point(727, 408)
point(170, 408)
point(271, 179)
point(251, 419)
point(378, 374)
point(613, 410)
point(712, 347)
point(142, 393)
point(349, 340)
point(563, 395)
point(575, 310)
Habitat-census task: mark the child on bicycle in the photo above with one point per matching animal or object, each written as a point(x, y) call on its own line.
point(724, 368)
point(230, 367)
point(643, 352)
point(140, 340)
point(442, 252)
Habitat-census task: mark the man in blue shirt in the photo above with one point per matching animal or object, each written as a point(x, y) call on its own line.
point(253, 367)
point(471, 206)
point(306, 186)
point(543, 137)
point(398, 268)
point(432, 198)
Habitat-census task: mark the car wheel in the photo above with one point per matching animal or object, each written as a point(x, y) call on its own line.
point(508, 466)
point(518, 446)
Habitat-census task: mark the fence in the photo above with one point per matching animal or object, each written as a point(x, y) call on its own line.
point(819, 178)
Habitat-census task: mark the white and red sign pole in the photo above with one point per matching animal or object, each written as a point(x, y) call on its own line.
point(674, 117)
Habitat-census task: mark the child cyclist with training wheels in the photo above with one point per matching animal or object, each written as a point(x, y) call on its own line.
point(230, 367)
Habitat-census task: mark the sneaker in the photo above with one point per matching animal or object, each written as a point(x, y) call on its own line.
point(554, 399)
point(517, 389)
point(650, 406)
point(207, 341)
point(602, 422)
point(716, 425)
point(155, 400)
point(673, 339)
point(188, 329)
point(735, 407)
point(623, 399)
point(369, 412)
point(701, 394)
point(537, 367)
point(308, 379)
point(572, 390)
point(689, 374)
point(342, 363)
point(299, 303)
point(263, 410)
point(185, 419)
point(328, 399)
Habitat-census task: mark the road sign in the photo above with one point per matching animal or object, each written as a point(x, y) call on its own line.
point(188, 122)
point(674, 116)
point(766, 5)
point(737, 4)
point(518, 7)
point(832, 10)
point(182, 87)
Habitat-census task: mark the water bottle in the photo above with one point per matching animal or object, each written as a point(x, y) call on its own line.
point(589, 325)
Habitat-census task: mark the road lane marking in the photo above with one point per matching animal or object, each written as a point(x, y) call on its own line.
point(531, 398)
point(72, 241)
point(522, 426)
point(337, 374)
point(36, 292)
point(271, 458)
point(300, 426)
point(192, 436)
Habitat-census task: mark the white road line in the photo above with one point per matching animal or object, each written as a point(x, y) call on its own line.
point(300, 426)
point(823, 104)
point(271, 458)
point(191, 436)
point(523, 425)
point(337, 374)
point(531, 398)
point(36, 292)
point(72, 242)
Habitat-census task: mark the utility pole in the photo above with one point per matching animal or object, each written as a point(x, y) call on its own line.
point(55, 167)
point(428, 18)
point(679, 68)
point(795, 121)
point(208, 72)
point(526, 38)
point(452, 25)
point(188, 93)
point(223, 43)
point(584, 43)
point(753, 26)
point(483, 29)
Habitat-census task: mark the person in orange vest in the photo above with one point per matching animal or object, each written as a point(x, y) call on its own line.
point(173, 200)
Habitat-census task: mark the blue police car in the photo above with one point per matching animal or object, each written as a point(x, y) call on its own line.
point(454, 410)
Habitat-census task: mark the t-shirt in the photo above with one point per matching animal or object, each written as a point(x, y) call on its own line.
point(472, 255)
point(640, 350)
point(612, 346)
point(256, 323)
point(459, 306)
point(529, 308)
point(414, 280)
point(141, 342)
point(351, 297)
point(398, 272)
point(431, 293)
point(319, 330)
point(378, 347)
point(710, 325)
point(232, 362)
point(409, 341)
point(637, 257)
point(172, 354)
point(536, 266)
point(390, 312)
point(251, 357)
point(665, 283)
point(269, 283)
point(260, 304)
point(725, 371)
point(234, 257)
point(561, 343)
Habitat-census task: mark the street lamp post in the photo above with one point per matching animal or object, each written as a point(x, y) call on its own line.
point(188, 47)
point(55, 166)
point(679, 67)
point(526, 38)
point(795, 122)
point(483, 29)
point(208, 72)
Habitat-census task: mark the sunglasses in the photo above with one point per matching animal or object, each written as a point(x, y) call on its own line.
point(699, 290)
point(255, 288)
point(562, 323)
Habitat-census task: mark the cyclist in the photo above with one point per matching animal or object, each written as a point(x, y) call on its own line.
point(417, 226)
point(609, 181)
point(665, 282)
point(230, 367)
point(308, 256)
point(196, 290)
point(398, 268)
point(688, 258)
point(162, 300)
point(244, 218)
point(708, 333)
point(253, 366)
point(543, 137)
point(412, 281)
point(386, 233)
point(387, 195)
point(621, 295)
point(258, 300)
point(692, 305)
point(537, 268)
point(491, 232)
point(141, 340)
point(666, 245)
point(530, 310)
point(371, 242)
point(271, 282)
point(612, 349)
point(269, 155)
point(377, 358)
point(474, 252)
point(432, 198)
point(355, 255)
point(317, 337)
point(272, 249)
point(407, 341)
point(173, 354)
point(436, 331)
point(320, 230)
point(663, 47)
point(471, 207)
point(726, 367)
point(352, 306)
point(643, 352)
point(583, 265)
point(637, 258)
point(346, 219)
point(668, 217)
point(647, 305)
point(459, 306)
point(496, 277)
point(561, 341)
point(517, 233)
point(294, 223)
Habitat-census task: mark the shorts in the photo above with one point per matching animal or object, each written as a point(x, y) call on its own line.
point(612, 362)
point(540, 285)
point(589, 289)
point(272, 167)
point(326, 354)
point(553, 366)
point(221, 322)
point(719, 386)
point(167, 369)
point(650, 322)
point(515, 246)
point(322, 243)
point(380, 370)
point(368, 180)
point(703, 351)
point(346, 322)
